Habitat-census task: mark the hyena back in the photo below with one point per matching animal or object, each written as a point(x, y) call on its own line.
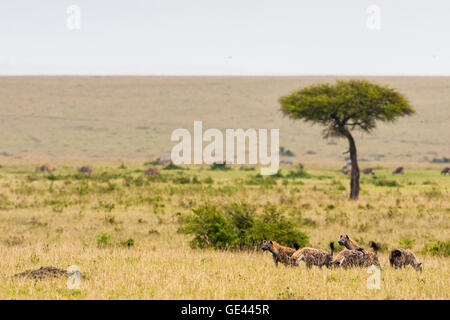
point(313, 257)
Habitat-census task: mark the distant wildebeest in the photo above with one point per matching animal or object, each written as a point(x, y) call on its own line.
point(446, 171)
point(152, 171)
point(286, 162)
point(85, 169)
point(369, 171)
point(345, 170)
point(399, 170)
point(45, 168)
point(399, 258)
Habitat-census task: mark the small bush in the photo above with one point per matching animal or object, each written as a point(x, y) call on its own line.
point(406, 242)
point(210, 229)
point(219, 166)
point(172, 166)
point(127, 243)
point(438, 248)
point(103, 239)
point(441, 160)
point(239, 226)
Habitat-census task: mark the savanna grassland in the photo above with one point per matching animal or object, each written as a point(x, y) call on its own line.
point(124, 230)
point(128, 231)
point(133, 117)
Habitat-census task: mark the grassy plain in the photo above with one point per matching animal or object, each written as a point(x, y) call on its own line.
point(63, 218)
point(133, 117)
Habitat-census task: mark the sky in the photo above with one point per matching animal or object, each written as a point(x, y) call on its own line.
point(233, 37)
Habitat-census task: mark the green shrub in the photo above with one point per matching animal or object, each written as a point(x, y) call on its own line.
point(172, 166)
point(406, 242)
point(127, 243)
point(210, 229)
point(275, 226)
point(438, 248)
point(239, 226)
point(103, 239)
point(219, 166)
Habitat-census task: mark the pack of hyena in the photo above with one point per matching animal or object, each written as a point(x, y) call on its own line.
point(353, 255)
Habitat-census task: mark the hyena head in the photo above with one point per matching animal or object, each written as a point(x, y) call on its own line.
point(418, 267)
point(267, 245)
point(292, 261)
point(347, 242)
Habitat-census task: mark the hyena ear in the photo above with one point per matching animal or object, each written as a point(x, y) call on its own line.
point(271, 242)
point(346, 236)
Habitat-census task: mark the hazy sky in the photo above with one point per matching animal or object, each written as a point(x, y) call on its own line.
point(232, 37)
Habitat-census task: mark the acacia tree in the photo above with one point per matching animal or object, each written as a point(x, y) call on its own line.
point(346, 106)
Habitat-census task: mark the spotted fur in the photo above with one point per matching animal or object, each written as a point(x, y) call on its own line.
point(369, 258)
point(348, 259)
point(45, 168)
point(279, 253)
point(399, 258)
point(313, 257)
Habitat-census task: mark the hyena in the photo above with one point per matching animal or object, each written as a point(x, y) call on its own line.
point(313, 257)
point(348, 259)
point(152, 171)
point(85, 169)
point(369, 171)
point(399, 170)
point(446, 171)
point(402, 257)
point(45, 168)
point(369, 258)
point(279, 253)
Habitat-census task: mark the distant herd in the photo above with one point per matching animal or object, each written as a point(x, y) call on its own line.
point(400, 170)
point(353, 255)
point(155, 171)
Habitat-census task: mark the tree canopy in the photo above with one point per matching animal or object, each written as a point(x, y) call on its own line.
point(342, 107)
point(346, 105)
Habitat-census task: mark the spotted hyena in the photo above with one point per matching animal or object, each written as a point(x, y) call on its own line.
point(85, 169)
point(279, 252)
point(369, 171)
point(348, 259)
point(369, 258)
point(45, 168)
point(313, 257)
point(402, 257)
point(152, 171)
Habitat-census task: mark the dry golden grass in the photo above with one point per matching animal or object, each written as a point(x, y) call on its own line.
point(57, 223)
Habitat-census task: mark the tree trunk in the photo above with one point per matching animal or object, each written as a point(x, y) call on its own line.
point(354, 182)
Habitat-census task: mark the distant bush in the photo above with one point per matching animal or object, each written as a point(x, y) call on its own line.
point(219, 166)
point(181, 180)
point(240, 227)
point(127, 243)
point(103, 239)
point(441, 160)
point(172, 166)
point(438, 248)
point(384, 182)
point(299, 173)
point(247, 168)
